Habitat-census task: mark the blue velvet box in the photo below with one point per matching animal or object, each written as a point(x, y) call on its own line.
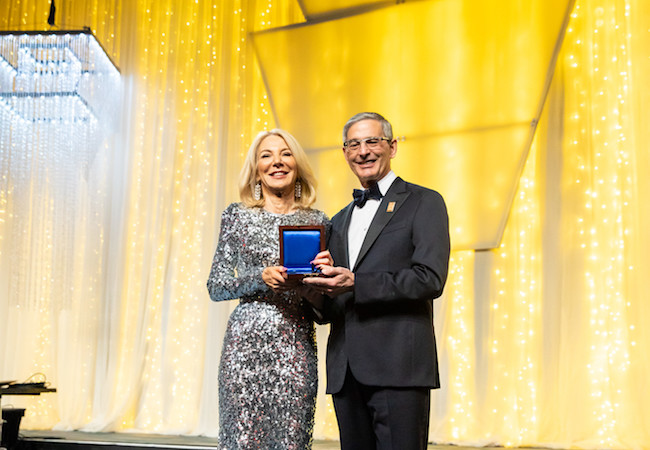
point(298, 247)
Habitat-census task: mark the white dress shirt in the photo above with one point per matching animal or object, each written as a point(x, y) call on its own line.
point(362, 218)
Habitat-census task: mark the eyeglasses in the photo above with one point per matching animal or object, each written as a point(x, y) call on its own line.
point(372, 143)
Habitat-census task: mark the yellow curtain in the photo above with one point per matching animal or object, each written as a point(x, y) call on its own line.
point(543, 341)
point(546, 344)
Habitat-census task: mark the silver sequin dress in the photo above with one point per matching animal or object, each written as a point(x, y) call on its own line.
point(268, 375)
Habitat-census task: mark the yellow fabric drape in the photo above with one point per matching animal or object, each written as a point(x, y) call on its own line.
point(543, 341)
point(560, 309)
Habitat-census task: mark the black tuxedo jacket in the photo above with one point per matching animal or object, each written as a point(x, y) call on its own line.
point(384, 329)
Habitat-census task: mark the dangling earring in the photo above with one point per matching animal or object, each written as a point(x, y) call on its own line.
point(257, 192)
point(298, 190)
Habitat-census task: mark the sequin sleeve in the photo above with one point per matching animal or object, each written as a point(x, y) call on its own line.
point(229, 279)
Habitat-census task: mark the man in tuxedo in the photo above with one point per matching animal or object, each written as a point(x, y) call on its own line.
point(387, 259)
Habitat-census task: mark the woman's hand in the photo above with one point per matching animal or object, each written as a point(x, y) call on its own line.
point(277, 279)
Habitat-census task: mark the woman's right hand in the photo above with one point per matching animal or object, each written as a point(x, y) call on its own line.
point(277, 279)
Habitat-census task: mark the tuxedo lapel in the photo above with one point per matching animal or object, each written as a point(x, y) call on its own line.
point(390, 204)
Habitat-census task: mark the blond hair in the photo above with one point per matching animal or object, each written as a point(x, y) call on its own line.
point(305, 175)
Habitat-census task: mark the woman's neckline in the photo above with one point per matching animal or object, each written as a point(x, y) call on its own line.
point(290, 213)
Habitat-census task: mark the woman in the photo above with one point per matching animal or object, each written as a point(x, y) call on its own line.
point(268, 372)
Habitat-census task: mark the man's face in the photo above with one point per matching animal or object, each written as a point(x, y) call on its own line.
point(369, 164)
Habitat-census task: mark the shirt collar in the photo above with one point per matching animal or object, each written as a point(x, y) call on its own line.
point(385, 183)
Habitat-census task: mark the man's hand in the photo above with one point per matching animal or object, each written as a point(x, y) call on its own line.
point(324, 258)
point(335, 281)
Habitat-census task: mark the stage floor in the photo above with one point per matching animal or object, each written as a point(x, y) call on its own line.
point(46, 439)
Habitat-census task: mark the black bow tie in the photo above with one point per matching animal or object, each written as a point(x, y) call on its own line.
point(361, 196)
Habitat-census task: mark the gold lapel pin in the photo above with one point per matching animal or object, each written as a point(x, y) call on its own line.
point(390, 207)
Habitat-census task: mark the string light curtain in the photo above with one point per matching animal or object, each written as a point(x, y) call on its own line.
point(560, 309)
point(605, 226)
point(543, 341)
point(198, 101)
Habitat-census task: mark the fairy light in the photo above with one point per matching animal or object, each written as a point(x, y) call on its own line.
point(601, 163)
point(459, 345)
point(515, 347)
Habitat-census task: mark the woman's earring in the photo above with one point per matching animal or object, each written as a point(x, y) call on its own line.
point(257, 193)
point(298, 190)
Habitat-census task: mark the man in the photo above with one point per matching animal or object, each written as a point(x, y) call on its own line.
point(387, 260)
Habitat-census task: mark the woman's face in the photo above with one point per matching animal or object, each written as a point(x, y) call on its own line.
point(276, 166)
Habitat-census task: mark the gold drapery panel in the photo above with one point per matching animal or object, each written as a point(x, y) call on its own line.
point(543, 340)
point(456, 95)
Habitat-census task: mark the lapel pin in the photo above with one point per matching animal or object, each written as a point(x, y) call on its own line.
point(390, 207)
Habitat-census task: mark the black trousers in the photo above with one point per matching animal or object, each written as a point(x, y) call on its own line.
point(382, 418)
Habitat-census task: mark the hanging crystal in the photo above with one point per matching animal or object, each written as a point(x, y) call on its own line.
point(59, 95)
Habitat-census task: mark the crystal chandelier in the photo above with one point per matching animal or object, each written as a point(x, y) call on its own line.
point(59, 80)
point(60, 96)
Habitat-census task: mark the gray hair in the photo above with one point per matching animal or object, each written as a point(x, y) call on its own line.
point(385, 124)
